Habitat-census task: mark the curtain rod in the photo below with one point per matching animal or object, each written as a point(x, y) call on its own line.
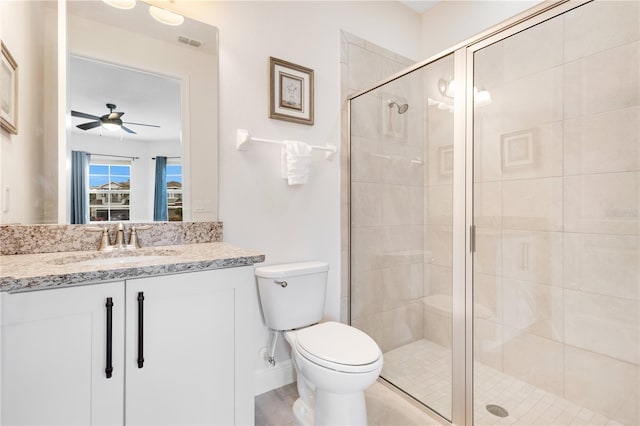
point(113, 155)
point(153, 158)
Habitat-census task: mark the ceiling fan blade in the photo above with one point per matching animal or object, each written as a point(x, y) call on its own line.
point(84, 115)
point(89, 125)
point(140, 124)
point(126, 129)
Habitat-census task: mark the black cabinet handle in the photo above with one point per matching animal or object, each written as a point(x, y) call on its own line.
point(109, 369)
point(140, 329)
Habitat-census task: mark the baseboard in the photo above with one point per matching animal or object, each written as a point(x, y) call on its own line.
point(270, 378)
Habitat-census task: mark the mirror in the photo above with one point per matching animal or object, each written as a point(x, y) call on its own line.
point(110, 56)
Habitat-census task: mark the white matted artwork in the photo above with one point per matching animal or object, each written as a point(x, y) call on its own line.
point(291, 92)
point(518, 149)
point(9, 92)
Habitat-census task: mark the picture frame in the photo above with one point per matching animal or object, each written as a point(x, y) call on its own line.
point(290, 92)
point(518, 149)
point(9, 92)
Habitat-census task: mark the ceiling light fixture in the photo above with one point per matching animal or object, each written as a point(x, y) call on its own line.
point(111, 124)
point(166, 17)
point(121, 4)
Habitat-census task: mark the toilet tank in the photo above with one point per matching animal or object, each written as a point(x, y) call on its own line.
point(292, 295)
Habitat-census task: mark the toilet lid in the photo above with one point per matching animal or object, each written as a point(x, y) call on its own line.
point(338, 343)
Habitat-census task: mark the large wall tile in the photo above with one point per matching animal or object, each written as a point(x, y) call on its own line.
point(600, 26)
point(488, 255)
point(600, 143)
point(534, 308)
point(396, 287)
point(603, 203)
point(603, 324)
point(365, 67)
point(402, 326)
point(365, 117)
point(602, 82)
point(366, 248)
point(487, 150)
point(370, 324)
point(534, 359)
point(532, 51)
point(366, 162)
point(603, 384)
point(440, 280)
point(533, 256)
point(440, 205)
point(543, 94)
point(534, 204)
point(487, 343)
point(366, 292)
point(396, 205)
point(366, 204)
point(603, 264)
point(487, 204)
point(439, 242)
point(487, 297)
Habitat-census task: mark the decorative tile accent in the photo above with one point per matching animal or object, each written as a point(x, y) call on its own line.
point(26, 239)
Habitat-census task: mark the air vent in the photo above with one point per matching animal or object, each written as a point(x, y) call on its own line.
point(189, 41)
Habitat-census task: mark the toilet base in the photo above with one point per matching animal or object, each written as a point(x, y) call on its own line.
point(340, 409)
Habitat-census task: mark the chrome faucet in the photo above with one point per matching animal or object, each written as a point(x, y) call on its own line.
point(134, 242)
point(105, 243)
point(119, 243)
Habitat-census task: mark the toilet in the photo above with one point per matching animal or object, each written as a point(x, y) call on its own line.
point(334, 362)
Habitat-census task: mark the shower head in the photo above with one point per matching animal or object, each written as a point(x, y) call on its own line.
point(401, 108)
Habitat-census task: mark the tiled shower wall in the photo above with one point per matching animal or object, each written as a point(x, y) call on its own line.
point(387, 196)
point(557, 195)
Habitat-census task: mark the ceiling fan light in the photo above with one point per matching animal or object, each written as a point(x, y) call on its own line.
point(111, 124)
point(166, 17)
point(121, 4)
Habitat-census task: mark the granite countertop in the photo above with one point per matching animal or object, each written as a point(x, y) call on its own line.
point(49, 270)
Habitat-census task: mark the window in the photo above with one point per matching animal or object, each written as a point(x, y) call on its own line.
point(109, 191)
point(174, 191)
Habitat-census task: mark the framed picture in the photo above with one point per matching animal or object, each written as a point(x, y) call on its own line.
point(290, 92)
point(9, 93)
point(517, 149)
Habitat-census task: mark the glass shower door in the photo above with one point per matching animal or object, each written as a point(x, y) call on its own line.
point(401, 228)
point(556, 162)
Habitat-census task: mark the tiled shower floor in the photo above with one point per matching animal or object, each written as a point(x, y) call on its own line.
point(423, 369)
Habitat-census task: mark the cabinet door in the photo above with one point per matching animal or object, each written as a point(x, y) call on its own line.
point(54, 354)
point(188, 376)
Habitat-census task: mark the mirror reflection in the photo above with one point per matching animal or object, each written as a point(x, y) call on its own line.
point(135, 85)
point(128, 126)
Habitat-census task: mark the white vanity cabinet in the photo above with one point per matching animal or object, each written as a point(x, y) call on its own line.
point(188, 362)
point(196, 347)
point(54, 356)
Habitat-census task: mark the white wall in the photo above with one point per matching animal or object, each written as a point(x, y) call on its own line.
point(258, 209)
point(451, 22)
point(21, 154)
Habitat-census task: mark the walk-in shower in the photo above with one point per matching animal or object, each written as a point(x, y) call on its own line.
point(495, 225)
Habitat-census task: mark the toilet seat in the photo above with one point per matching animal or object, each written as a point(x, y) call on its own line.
point(338, 347)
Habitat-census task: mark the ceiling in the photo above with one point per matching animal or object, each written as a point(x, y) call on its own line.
point(143, 97)
point(420, 6)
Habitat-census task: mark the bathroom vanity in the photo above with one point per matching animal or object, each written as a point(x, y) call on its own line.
point(130, 338)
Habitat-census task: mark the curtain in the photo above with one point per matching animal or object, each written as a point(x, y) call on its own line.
point(79, 187)
point(160, 208)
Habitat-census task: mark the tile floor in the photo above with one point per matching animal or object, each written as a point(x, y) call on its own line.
point(384, 408)
point(423, 369)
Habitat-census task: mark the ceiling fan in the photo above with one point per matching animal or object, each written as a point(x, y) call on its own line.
point(109, 121)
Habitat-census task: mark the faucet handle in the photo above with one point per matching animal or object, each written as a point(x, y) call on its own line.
point(105, 242)
point(133, 235)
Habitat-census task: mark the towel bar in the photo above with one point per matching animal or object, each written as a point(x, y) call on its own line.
point(243, 138)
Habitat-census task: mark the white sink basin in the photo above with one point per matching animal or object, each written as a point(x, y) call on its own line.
point(116, 257)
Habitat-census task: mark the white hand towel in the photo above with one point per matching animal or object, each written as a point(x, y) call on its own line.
point(298, 159)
